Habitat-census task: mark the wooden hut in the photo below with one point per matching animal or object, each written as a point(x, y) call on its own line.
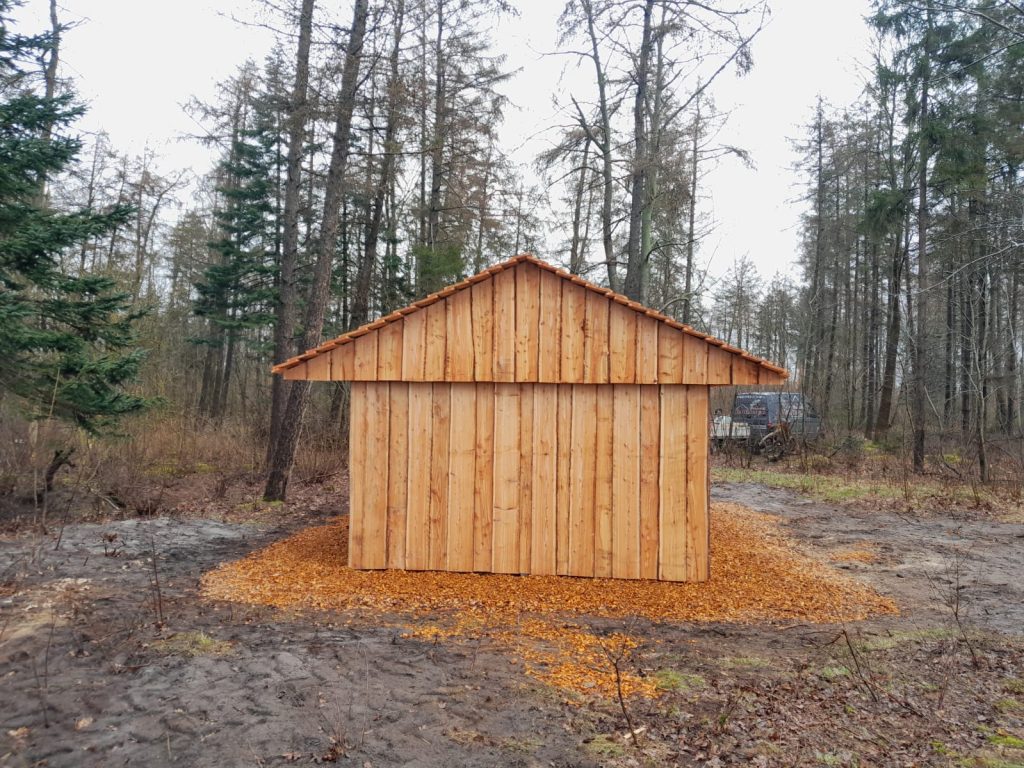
point(527, 421)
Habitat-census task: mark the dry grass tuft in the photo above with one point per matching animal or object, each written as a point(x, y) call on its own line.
point(757, 575)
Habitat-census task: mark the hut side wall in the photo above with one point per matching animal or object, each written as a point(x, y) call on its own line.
point(569, 479)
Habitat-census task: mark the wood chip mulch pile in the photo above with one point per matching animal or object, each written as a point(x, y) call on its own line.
point(758, 575)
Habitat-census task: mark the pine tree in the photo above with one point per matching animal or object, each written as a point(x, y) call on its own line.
point(67, 342)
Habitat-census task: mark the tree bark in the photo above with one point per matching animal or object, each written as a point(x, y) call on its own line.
point(284, 454)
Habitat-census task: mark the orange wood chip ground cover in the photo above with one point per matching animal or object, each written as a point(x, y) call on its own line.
point(758, 575)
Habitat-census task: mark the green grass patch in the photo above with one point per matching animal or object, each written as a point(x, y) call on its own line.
point(192, 644)
point(900, 637)
point(674, 680)
point(1014, 685)
point(744, 662)
point(605, 746)
point(824, 487)
point(833, 673)
point(1009, 705)
point(1005, 740)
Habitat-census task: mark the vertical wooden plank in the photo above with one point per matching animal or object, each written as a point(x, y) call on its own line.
point(357, 461)
point(670, 355)
point(461, 476)
point(574, 318)
point(365, 357)
point(581, 480)
point(414, 345)
point(417, 551)
point(672, 484)
point(526, 456)
point(646, 350)
point(459, 358)
point(650, 433)
point(504, 358)
point(626, 481)
point(505, 520)
point(697, 523)
point(482, 299)
point(343, 362)
point(398, 472)
point(695, 360)
point(483, 491)
point(375, 480)
point(621, 343)
point(527, 321)
point(562, 465)
point(319, 368)
point(719, 365)
point(439, 463)
point(603, 471)
point(436, 351)
point(743, 371)
point(545, 473)
point(389, 352)
point(595, 340)
point(549, 335)
point(298, 372)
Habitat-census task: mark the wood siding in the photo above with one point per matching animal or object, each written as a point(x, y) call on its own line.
point(577, 480)
point(526, 324)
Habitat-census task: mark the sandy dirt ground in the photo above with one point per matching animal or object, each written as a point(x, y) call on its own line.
point(99, 667)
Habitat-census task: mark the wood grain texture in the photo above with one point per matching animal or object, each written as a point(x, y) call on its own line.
point(483, 490)
point(440, 457)
point(719, 366)
point(435, 358)
point(670, 355)
point(572, 332)
point(459, 357)
point(319, 368)
point(697, 523)
point(414, 346)
point(626, 482)
point(504, 357)
point(544, 483)
point(527, 341)
point(527, 452)
point(621, 344)
point(650, 435)
point(695, 360)
point(357, 460)
point(482, 298)
point(646, 350)
point(562, 465)
point(376, 421)
point(389, 352)
point(417, 553)
point(672, 482)
point(365, 358)
point(595, 339)
point(603, 473)
point(505, 519)
point(549, 334)
point(398, 472)
point(581, 480)
point(461, 478)
point(343, 363)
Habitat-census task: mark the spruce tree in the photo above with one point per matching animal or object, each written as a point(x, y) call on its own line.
point(67, 342)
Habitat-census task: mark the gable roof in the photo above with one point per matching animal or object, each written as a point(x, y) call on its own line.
point(524, 320)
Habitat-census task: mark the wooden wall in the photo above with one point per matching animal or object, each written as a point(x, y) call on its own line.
point(528, 324)
point(571, 479)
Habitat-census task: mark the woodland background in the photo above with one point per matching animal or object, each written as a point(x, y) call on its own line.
point(360, 169)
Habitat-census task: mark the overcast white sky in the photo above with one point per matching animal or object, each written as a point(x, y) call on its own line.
point(137, 61)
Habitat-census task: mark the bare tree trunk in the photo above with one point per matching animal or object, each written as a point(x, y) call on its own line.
point(920, 357)
point(287, 299)
point(284, 455)
point(691, 215)
point(635, 259)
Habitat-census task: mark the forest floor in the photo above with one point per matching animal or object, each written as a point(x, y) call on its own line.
point(102, 667)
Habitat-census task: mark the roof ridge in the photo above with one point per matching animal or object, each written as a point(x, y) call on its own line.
point(502, 266)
